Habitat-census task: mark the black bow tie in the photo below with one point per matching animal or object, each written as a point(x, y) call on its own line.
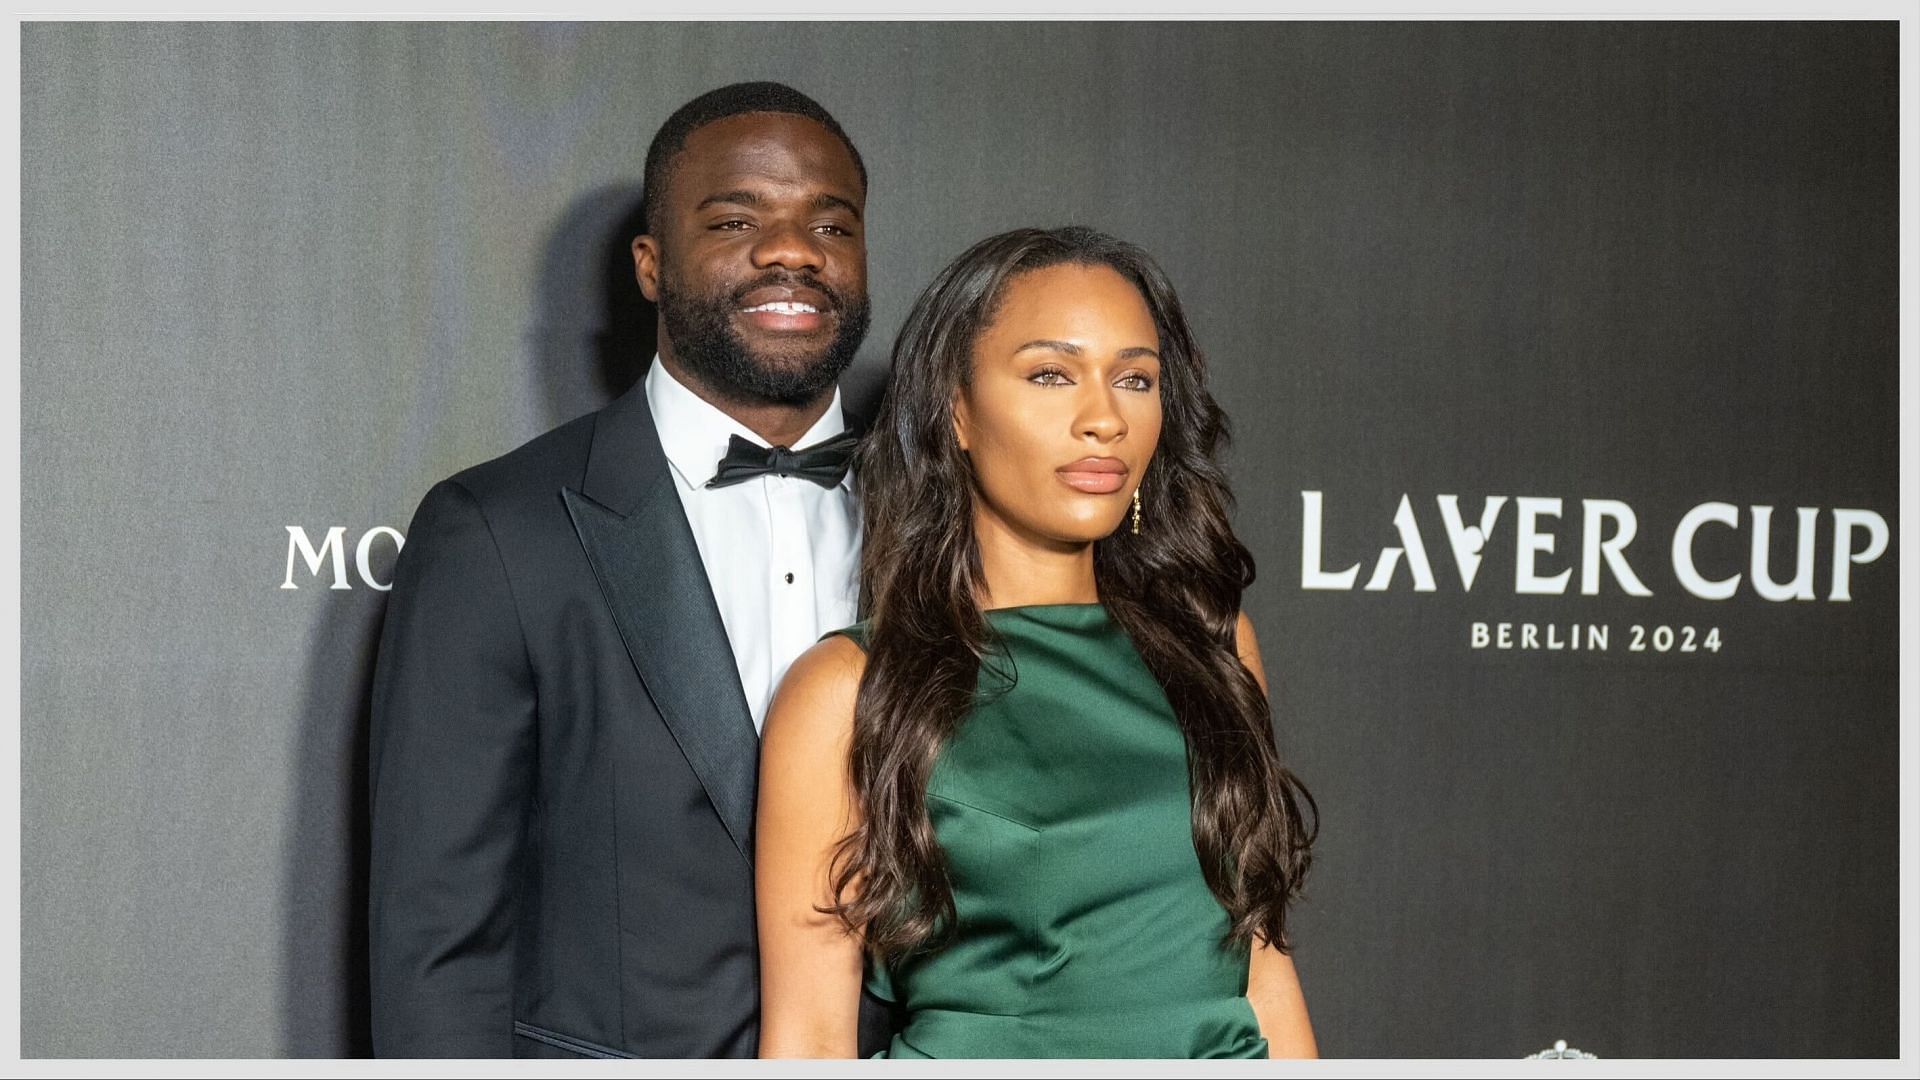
point(825, 463)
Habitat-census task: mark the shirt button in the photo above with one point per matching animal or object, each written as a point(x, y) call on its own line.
point(789, 578)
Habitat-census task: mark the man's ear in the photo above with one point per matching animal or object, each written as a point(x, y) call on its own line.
point(646, 266)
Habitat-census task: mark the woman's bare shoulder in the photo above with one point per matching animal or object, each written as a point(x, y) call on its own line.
point(1243, 633)
point(816, 697)
point(1247, 644)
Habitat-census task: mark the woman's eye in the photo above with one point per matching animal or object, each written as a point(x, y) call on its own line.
point(1137, 382)
point(1049, 377)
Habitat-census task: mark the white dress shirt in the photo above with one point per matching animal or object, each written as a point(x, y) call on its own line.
point(782, 553)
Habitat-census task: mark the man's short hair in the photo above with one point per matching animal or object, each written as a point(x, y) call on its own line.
point(734, 100)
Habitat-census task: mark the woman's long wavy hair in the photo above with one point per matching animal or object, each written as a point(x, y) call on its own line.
point(1174, 587)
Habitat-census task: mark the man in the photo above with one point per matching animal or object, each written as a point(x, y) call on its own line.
point(583, 635)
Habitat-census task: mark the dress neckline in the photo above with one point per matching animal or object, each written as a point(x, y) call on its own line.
point(1037, 607)
point(1068, 613)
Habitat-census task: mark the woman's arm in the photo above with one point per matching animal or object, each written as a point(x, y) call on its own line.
point(1273, 987)
point(810, 967)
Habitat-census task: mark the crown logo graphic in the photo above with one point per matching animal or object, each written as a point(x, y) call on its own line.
point(1562, 1050)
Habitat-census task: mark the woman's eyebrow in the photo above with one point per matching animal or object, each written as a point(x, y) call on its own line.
point(1071, 349)
point(1067, 347)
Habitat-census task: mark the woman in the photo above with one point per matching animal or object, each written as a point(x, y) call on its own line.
point(1035, 792)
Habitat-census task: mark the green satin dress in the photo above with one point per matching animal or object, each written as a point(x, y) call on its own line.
point(1085, 928)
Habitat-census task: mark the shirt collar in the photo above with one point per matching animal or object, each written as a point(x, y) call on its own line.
point(694, 433)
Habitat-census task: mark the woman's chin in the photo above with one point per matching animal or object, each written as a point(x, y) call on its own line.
point(1083, 532)
point(1055, 528)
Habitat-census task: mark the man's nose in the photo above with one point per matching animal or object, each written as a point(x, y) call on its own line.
point(787, 244)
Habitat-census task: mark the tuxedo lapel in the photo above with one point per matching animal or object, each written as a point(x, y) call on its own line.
point(636, 535)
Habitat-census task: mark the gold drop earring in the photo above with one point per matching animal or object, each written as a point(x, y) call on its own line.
point(1136, 511)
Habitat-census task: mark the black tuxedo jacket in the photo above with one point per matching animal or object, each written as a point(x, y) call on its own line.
point(562, 769)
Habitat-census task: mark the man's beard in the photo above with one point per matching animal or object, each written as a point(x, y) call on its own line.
point(707, 342)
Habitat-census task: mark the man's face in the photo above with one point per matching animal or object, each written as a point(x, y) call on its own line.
point(758, 259)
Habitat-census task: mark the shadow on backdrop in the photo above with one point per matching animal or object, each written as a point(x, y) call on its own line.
point(592, 338)
point(593, 334)
point(324, 948)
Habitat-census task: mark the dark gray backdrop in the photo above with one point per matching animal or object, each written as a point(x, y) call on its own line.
point(289, 275)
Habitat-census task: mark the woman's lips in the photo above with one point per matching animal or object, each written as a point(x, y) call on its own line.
point(1094, 475)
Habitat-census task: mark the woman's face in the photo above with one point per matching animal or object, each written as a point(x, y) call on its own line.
point(1063, 412)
